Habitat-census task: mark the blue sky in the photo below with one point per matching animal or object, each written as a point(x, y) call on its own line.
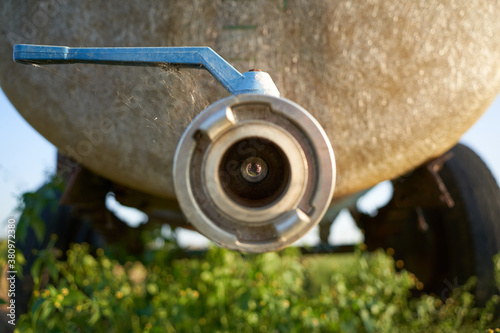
point(27, 159)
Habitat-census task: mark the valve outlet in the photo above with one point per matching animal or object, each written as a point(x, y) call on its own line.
point(254, 173)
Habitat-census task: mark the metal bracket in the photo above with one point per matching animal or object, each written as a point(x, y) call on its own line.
point(255, 82)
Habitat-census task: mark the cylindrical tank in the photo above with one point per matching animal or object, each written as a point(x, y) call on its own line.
point(392, 84)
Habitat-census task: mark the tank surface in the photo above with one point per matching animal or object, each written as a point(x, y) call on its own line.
point(392, 83)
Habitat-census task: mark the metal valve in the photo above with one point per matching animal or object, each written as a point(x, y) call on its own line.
point(253, 172)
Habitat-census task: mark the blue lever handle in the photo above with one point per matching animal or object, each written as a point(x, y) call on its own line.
point(197, 57)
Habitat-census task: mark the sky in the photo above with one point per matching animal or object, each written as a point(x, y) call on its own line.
point(28, 159)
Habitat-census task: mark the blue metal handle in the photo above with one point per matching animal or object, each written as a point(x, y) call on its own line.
point(202, 57)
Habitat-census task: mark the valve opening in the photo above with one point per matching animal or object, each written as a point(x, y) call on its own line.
point(254, 172)
point(246, 167)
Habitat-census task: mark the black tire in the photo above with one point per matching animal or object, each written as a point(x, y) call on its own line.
point(85, 220)
point(471, 228)
point(444, 246)
point(66, 225)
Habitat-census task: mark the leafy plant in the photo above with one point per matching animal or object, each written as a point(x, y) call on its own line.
point(33, 204)
point(225, 291)
point(107, 290)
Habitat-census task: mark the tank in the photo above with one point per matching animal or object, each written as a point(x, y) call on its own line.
point(392, 85)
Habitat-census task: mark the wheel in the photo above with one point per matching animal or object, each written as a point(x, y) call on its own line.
point(472, 226)
point(80, 216)
point(64, 222)
point(443, 223)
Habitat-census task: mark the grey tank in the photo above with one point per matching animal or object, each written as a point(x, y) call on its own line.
point(392, 83)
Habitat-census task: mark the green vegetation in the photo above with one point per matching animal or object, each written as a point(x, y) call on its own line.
point(226, 291)
point(34, 203)
point(103, 290)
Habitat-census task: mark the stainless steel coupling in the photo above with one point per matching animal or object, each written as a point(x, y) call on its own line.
point(254, 173)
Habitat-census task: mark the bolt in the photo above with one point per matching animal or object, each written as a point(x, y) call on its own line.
point(253, 169)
